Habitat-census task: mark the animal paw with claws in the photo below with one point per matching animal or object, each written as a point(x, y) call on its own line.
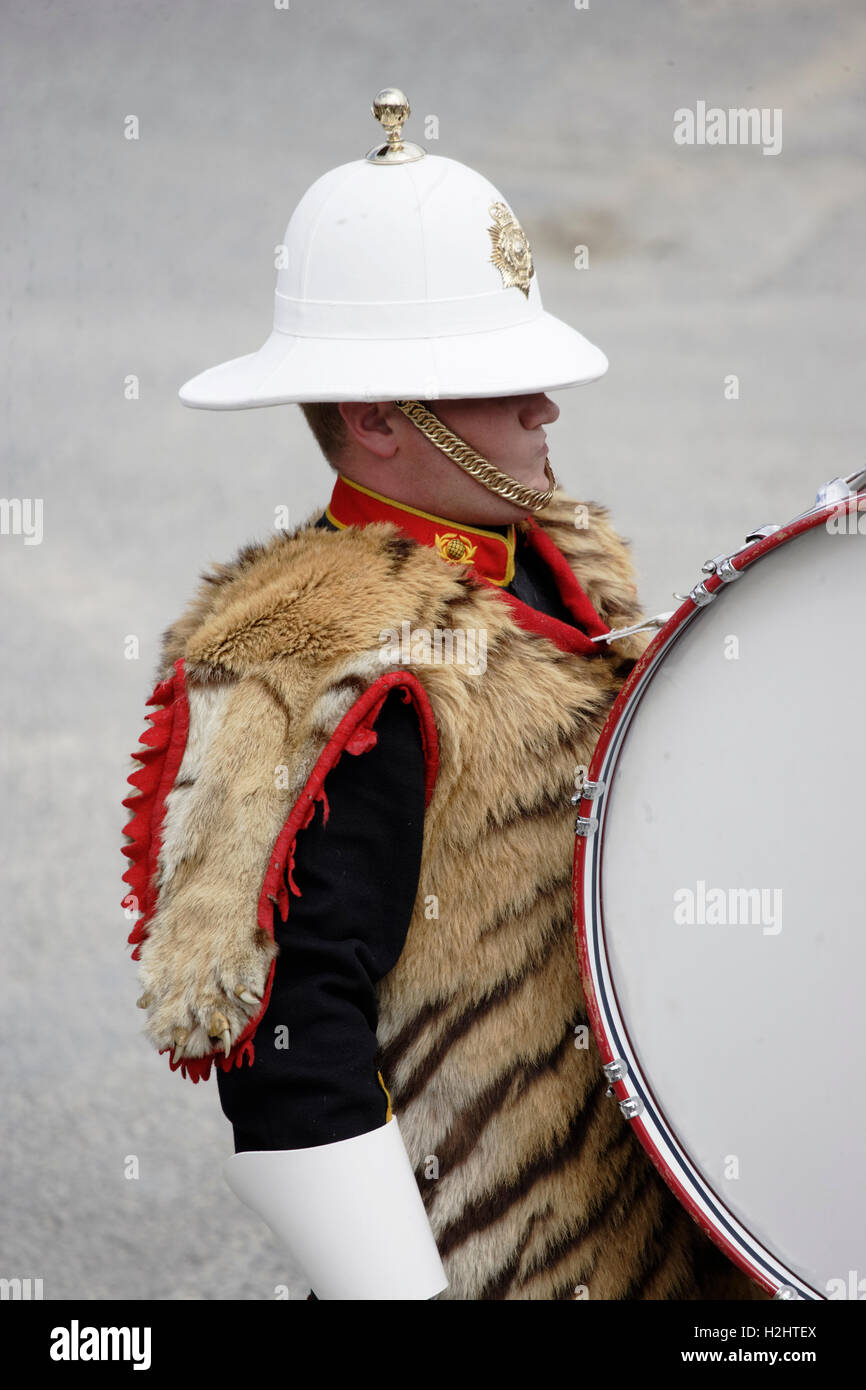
point(199, 1001)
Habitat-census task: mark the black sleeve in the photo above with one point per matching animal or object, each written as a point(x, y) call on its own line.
point(358, 877)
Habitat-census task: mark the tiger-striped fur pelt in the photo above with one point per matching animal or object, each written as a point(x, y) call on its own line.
point(534, 1185)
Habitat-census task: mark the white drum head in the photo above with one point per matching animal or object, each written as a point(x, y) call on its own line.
point(728, 877)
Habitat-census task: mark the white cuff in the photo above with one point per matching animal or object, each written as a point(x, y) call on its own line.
point(350, 1214)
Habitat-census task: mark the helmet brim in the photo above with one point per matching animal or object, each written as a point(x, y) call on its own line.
point(544, 354)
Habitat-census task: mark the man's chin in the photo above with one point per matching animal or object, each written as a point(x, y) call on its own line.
point(534, 478)
point(539, 479)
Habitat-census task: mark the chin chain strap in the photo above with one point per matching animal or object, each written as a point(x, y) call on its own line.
point(480, 468)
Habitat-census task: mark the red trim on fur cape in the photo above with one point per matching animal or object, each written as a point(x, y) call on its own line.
point(162, 755)
point(165, 743)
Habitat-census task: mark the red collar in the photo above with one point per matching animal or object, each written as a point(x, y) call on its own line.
point(489, 553)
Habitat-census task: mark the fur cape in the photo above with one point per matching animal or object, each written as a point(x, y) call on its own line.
point(534, 1185)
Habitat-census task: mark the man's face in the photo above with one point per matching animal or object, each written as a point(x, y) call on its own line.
point(507, 430)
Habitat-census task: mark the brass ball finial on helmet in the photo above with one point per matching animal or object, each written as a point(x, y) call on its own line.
point(391, 108)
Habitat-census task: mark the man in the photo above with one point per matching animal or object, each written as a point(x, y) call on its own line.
point(353, 832)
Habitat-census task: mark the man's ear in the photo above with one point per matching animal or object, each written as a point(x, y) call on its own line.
point(369, 423)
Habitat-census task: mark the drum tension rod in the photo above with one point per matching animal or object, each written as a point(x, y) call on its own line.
point(723, 566)
point(658, 621)
point(617, 1070)
point(700, 596)
point(588, 790)
point(586, 825)
point(840, 488)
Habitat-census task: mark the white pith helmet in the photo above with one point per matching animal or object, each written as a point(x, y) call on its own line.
point(406, 275)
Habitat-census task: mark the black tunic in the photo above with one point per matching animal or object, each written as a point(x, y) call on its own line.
point(358, 878)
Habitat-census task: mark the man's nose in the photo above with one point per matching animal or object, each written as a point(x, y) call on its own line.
point(538, 410)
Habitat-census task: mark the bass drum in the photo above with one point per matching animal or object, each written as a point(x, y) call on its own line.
point(720, 902)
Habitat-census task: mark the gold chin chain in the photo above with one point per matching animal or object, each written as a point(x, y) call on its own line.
point(476, 464)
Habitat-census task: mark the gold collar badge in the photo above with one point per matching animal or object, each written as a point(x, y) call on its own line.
point(511, 254)
point(456, 549)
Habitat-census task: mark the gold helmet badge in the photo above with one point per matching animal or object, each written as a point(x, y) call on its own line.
point(511, 254)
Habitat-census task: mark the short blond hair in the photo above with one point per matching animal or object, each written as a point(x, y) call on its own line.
point(328, 426)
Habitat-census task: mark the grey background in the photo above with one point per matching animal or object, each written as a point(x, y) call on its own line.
point(155, 257)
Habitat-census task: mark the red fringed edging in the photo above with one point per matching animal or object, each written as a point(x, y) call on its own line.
point(164, 744)
point(354, 734)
